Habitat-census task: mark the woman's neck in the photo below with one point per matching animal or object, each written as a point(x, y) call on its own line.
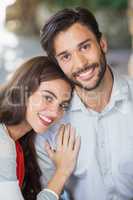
point(18, 131)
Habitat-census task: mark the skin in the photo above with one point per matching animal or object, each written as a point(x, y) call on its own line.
point(45, 107)
point(48, 104)
point(64, 158)
point(83, 61)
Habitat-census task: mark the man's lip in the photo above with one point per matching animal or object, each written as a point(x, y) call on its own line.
point(85, 74)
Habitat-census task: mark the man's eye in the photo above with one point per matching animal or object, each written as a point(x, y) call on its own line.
point(85, 47)
point(65, 57)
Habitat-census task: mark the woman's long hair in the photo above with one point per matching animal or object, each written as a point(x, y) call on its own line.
point(13, 100)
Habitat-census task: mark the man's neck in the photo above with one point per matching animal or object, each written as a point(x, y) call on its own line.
point(97, 99)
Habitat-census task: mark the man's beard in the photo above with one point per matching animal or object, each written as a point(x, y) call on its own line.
point(102, 69)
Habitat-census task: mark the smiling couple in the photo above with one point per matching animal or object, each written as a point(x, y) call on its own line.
point(37, 99)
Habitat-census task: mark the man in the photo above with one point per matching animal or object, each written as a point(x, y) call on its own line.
point(101, 109)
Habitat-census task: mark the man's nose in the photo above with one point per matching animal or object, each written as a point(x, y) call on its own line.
point(79, 59)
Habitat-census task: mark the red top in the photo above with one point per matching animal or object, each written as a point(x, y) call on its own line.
point(20, 163)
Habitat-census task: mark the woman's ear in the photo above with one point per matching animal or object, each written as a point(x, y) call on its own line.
point(103, 44)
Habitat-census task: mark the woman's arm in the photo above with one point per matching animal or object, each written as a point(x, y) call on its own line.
point(64, 158)
point(10, 190)
point(9, 187)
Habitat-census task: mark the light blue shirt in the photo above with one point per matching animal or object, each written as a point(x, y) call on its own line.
point(105, 164)
point(9, 187)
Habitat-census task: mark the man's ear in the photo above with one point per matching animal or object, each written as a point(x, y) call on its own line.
point(103, 44)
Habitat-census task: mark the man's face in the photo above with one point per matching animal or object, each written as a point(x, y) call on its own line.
point(80, 56)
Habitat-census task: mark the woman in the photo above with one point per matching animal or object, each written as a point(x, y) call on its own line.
point(36, 97)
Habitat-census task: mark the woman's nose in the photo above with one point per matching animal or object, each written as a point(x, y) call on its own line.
point(54, 111)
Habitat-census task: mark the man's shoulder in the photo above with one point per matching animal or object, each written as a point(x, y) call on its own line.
point(129, 80)
point(128, 84)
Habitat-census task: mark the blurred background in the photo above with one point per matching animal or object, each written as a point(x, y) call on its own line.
point(21, 20)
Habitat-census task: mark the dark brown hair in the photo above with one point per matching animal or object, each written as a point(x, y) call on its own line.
point(13, 98)
point(25, 81)
point(61, 21)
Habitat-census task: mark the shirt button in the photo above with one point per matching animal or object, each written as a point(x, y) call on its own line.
point(104, 173)
point(105, 170)
point(102, 145)
point(115, 197)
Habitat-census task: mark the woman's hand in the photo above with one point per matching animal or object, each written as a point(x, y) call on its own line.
point(66, 152)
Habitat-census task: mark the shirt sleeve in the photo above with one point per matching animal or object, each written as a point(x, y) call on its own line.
point(7, 159)
point(46, 165)
point(47, 194)
point(9, 187)
point(10, 190)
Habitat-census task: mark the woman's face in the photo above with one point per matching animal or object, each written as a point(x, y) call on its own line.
point(48, 104)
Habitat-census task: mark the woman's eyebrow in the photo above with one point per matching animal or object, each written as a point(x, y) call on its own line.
point(67, 101)
point(49, 93)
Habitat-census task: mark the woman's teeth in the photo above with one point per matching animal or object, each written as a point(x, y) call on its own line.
point(45, 119)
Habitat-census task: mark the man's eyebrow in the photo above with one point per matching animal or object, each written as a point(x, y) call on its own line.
point(62, 53)
point(79, 45)
point(50, 93)
point(85, 41)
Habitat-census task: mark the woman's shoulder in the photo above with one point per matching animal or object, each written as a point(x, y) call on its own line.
point(2, 132)
point(7, 145)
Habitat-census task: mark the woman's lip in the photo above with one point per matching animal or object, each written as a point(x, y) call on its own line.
point(86, 75)
point(45, 120)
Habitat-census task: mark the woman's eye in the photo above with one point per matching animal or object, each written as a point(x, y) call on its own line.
point(64, 106)
point(48, 98)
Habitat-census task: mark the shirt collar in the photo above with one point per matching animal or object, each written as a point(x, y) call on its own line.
point(76, 103)
point(120, 92)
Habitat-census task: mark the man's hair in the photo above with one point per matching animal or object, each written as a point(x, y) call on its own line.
point(61, 21)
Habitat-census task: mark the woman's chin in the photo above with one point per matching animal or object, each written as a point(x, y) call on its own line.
point(41, 130)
